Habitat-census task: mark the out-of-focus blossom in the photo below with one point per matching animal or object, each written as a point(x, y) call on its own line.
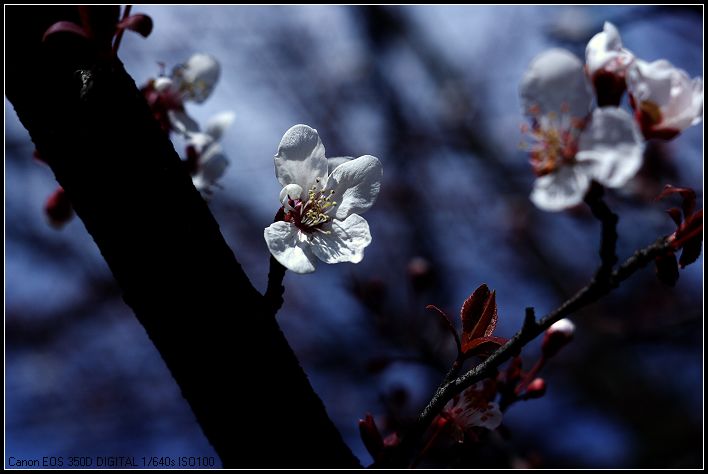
point(665, 99)
point(471, 409)
point(571, 144)
point(205, 158)
point(321, 205)
point(193, 81)
point(606, 61)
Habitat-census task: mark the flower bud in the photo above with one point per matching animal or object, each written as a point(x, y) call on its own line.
point(370, 436)
point(58, 209)
point(421, 273)
point(536, 389)
point(557, 336)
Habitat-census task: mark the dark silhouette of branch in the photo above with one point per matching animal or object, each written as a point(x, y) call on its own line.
point(608, 219)
point(215, 332)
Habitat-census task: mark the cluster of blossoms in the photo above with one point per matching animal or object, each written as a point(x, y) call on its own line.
point(321, 201)
point(193, 81)
point(478, 409)
point(578, 136)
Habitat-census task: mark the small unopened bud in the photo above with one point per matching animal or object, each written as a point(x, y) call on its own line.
point(392, 440)
point(421, 273)
point(557, 336)
point(161, 84)
point(58, 209)
point(536, 389)
point(370, 436)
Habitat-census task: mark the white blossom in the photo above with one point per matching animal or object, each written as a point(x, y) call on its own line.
point(571, 144)
point(473, 408)
point(665, 98)
point(195, 80)
point(192, 81)
point(211, 162)
point(321, 203)
point(605, 53)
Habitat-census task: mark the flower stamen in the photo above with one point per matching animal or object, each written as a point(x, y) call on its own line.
point(311, 214)
point(554, 140)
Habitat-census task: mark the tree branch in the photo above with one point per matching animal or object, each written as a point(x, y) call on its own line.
point(215, 332)
point(598, 287)
point(608, 219)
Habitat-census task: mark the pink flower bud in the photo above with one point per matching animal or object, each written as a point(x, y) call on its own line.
point(557, 336)
point(370, 436)
point(536, 389)
point(58, 209)
point(421, 273)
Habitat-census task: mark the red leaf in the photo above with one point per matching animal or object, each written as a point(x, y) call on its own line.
point(65, 27)
point(482, 345)
point(141, 24)
point(688, 195)
point(479, 314)
point(447, 323)
point(691, 251)
point(675, 214)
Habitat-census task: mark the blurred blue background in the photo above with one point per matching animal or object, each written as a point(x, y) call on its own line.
point(432, 92)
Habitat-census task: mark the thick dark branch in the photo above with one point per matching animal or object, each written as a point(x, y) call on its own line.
point(215, 332)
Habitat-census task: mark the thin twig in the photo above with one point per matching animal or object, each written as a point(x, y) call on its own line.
point(275, 289)
point(608, 219)
point(119, 35)
point(592, 292)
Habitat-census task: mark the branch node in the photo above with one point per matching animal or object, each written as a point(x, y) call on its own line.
point(529, 320)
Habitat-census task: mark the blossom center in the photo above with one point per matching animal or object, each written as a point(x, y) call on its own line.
point(309, 215)
point(554, 141)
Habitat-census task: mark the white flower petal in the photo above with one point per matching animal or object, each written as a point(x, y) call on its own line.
point(213, 163)
point(345, 242)
point(197, 77)
point(200, 141)
point(288, 246)
point(291, 191)
point(660, 87)
point(611, 147)
point(301, 158)
point(605, 52)
point(182, 123)
point(564, 188)
point(217, 125)
point(162, 83)
point(554, 82)
point(332, 163)
point(564, 326)
point(356, 184)
point(489, 417)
